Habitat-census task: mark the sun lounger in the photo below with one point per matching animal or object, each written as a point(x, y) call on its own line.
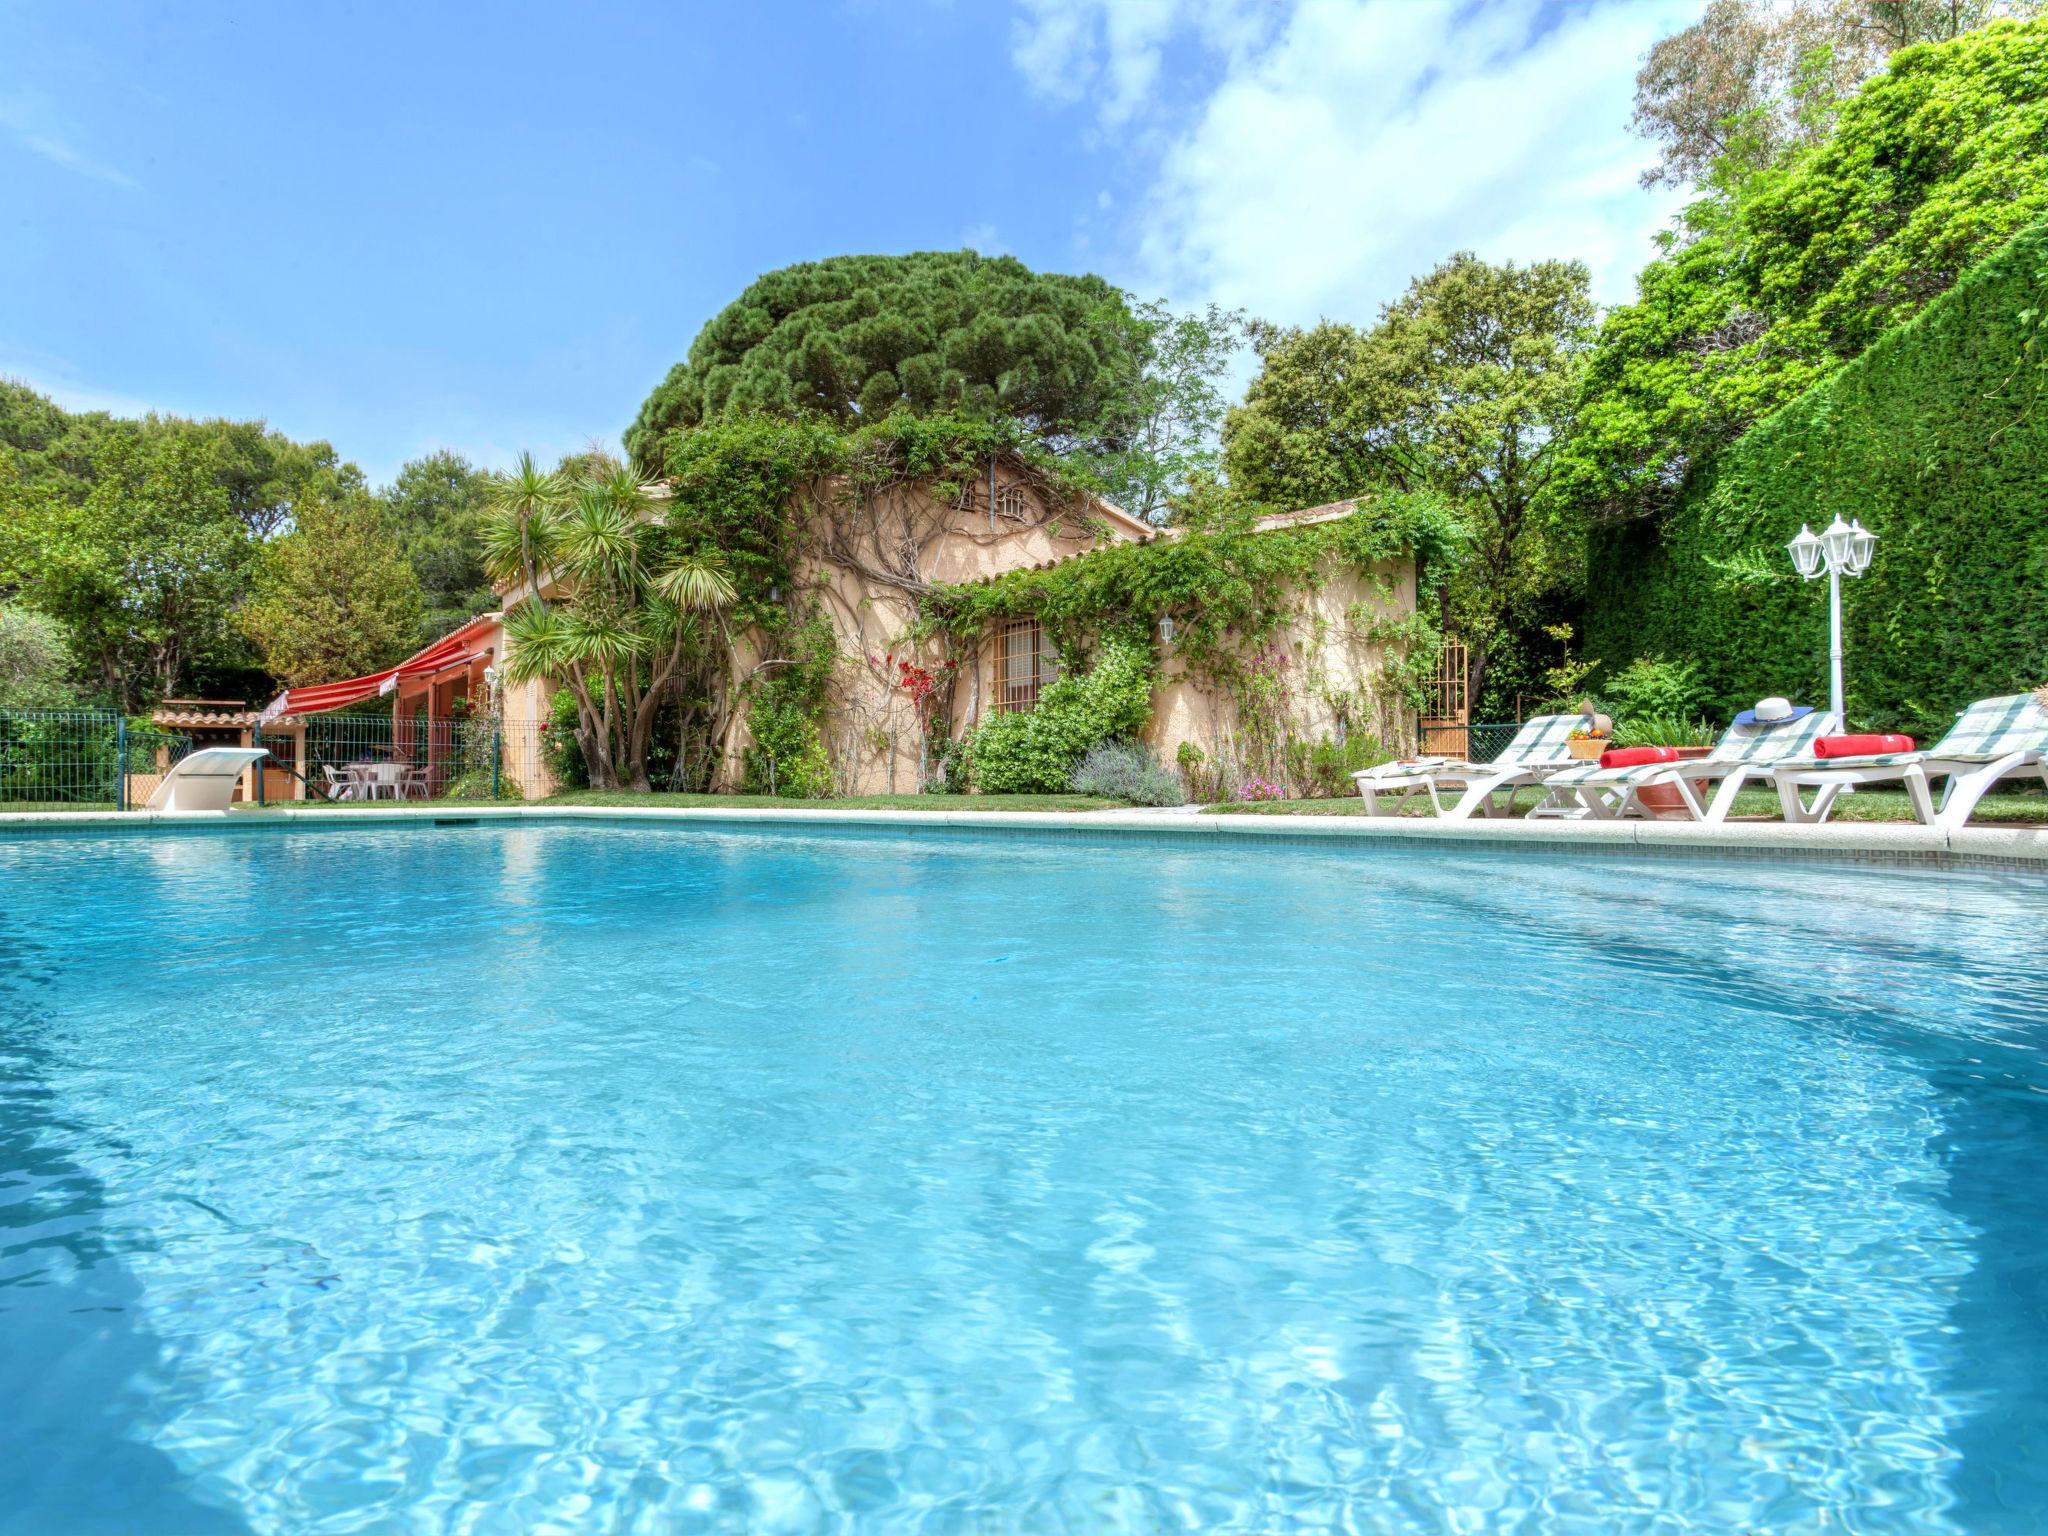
point(1990, 739)
point(1750, 750)
point(1541, 747)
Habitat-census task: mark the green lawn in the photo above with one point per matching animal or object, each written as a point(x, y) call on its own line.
point(592, 797)
point(1750, 804)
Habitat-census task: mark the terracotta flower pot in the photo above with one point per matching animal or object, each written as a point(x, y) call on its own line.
point(1668, 799)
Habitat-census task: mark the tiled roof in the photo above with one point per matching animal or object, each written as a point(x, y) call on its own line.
point(216, 718)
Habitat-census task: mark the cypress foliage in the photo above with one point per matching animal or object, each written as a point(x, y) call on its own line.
point(1937, 440)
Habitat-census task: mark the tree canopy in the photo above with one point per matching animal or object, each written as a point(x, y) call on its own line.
point(144, 572)
point(1752, 80)
point(140, 537)
point(1781, 274)
point(1464, 387)
point(853, 337)
point(35, 662)
point(334, 597)
point(435, 508)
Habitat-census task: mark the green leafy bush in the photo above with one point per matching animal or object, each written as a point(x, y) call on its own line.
point(559, 748)
point(786, 755)
point(1203, 778)
point(475, 784)
point(1323, 769)
point(1937, 440)
point(1127, 770)
point(1651, 686)
point(1035, 753)
point(1663, 731)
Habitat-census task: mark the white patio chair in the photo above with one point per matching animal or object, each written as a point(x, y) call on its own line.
point(1540, 748)
point(1990, 740)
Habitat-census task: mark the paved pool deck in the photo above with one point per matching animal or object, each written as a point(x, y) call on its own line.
point(2019, 847)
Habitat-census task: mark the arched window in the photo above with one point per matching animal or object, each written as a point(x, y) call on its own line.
point(1013, 504)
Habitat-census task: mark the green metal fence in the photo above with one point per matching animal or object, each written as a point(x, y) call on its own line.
point(81, 760)
point(1480, 742)
point(376, 757)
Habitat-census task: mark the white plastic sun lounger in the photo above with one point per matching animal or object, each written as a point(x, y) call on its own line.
point(1540, 748)
point(1990, 739)
point(204, 780)
point(1746, 752)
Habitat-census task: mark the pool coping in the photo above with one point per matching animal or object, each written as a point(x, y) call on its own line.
point(1866, 842)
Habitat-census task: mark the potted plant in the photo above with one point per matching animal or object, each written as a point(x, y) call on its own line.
point(1690, 739)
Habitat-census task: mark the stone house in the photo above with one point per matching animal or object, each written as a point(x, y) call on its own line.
point(865, 575)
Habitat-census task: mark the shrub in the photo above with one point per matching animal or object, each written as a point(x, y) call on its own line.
point(1261, 789)
point(786, 755)
point(1204, 779)
point(1649, 686)
point(1127, 770)
point(1663, 731)
point(1322, 769)
point(559, 748)
point(1035, 753)
point(475, 784)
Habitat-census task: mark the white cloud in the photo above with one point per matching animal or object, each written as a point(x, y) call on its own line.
point(30, 126)
point(984, 238)
point(1338, 148)
point(1114, 51)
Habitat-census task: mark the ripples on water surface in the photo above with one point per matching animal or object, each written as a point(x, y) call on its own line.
point(628, 1180)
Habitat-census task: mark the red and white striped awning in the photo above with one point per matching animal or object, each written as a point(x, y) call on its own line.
point(456, 650)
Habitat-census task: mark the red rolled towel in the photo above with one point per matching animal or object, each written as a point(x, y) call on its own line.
point(1635, 757)
point(1860, 746)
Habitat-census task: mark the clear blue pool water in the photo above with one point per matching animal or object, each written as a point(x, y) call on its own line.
point(611, 1179)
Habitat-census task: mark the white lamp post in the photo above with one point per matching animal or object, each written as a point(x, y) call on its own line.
point(1843, 550)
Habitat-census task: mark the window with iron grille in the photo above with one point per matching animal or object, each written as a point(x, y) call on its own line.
point(1013, 502)
point(1025, 663)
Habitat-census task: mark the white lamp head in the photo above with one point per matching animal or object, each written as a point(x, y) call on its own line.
point(1166, 630)
point(1806, 553)
point(1836, 542)
point(1862, 545)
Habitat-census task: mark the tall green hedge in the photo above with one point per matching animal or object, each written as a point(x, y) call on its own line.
point(1937, 439)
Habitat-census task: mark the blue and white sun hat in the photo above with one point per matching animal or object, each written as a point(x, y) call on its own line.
point(1773, 712)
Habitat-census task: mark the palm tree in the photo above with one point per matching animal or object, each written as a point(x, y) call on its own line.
point(521, 525)
point(629, 609)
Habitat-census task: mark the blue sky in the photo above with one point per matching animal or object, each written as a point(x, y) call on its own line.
point(488, 227)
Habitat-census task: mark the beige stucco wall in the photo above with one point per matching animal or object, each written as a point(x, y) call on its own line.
point(1329, 666)
point(872, 730)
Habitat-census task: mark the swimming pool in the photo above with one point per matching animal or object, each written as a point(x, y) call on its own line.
point(617, 1178)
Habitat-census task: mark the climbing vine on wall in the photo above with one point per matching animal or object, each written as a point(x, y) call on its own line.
point(1226, 586)
point(764, 495)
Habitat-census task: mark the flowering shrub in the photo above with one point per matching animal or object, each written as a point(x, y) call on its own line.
point(1261, 789)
